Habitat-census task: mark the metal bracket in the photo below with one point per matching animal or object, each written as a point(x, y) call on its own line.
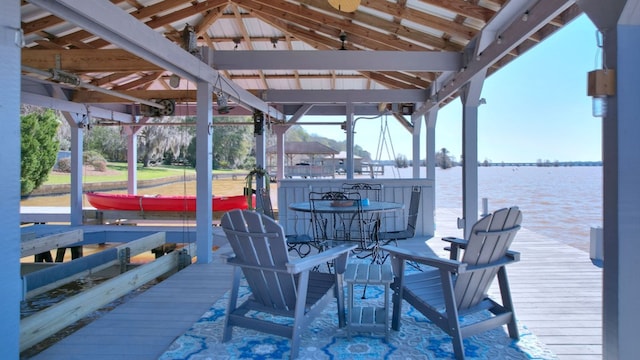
point(184, 259)
point(124, 255)
point(461, 223)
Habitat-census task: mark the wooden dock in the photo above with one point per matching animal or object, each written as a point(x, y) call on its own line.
point(557, 294)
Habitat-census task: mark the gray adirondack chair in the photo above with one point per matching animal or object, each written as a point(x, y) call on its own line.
point(279, 285)
point(450, 288)
point(300, 243)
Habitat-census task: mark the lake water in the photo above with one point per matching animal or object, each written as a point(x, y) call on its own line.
point(559, 202)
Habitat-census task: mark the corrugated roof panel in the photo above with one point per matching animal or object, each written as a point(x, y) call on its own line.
point(421, 28)
point(225, 28)
point(431, 9)
point(257, 28)
point(191, 20)
point(30, 12)
point(350, 83)
point(316, 84)
point(299, 45)
point(376, 13)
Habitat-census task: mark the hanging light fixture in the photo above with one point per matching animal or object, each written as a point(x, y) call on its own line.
point(345, 5)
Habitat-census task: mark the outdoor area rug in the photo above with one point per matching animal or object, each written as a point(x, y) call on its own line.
point(418, 338)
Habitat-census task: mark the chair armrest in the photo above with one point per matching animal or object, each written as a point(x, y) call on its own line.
point(456, 245)
point(505, 260)
point(513, 255)
point(452, 266)
point(309, 262)
point(455, 241)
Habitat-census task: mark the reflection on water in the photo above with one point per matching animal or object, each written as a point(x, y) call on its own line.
point(559, 202)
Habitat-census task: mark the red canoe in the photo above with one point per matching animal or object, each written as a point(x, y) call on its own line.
point(106, 201)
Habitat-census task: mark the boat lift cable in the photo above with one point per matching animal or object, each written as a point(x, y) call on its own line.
point(382, 144)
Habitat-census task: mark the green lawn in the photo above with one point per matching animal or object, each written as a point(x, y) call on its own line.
point(149, 173)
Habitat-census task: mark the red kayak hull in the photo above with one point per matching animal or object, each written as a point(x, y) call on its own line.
point(106, 201)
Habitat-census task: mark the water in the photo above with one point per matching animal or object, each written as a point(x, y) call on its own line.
point(559, 202)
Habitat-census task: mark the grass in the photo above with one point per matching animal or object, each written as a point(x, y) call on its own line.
point(118, 172)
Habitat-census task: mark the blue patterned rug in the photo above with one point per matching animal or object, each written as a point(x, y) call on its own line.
point(418, 338)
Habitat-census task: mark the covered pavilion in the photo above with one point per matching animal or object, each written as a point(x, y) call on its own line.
point(297, 151)
point(125, 61)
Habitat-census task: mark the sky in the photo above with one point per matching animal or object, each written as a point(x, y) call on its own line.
point(536, 108)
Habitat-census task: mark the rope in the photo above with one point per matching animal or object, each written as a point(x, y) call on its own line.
point(248, 187)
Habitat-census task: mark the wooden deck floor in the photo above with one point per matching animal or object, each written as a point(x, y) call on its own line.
point(557, 294)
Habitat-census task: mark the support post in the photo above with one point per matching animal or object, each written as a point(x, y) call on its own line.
point(132, 158)
point(349, 129)
point(417, 126)
point(619, 24)
point(430, 119)
point(280, 155)
point(77, 134)
point(470, 101)
point(204, 156)
point(10, 42)
point(261, 158)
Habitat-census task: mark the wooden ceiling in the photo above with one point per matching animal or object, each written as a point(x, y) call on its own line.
point(269, 25)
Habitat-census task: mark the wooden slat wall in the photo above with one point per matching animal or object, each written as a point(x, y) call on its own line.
point(394, 190)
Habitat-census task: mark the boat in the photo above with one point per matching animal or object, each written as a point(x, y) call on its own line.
point(129, 202)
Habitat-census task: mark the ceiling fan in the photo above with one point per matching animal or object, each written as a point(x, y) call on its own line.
point(345, 5)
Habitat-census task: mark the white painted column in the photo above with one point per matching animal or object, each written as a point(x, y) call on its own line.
point(77, 135)
point(350, 140)
point(430, 119)
point(10, 42)
point(132, 158)
point(280, 156)
point(470, 98)
point(417, 126)
point(204, 155)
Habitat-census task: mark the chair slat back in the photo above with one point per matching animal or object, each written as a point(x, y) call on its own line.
point(414, 208)
point(489, 241)
point(258, 241)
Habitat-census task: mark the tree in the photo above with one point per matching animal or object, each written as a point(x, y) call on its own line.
point(443, 160)
point(107, 141)
point(155, 140)
point(231, 144)
point(401, 161)
point(39, 148)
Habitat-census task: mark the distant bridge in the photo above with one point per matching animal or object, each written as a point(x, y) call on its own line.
point(543, 164)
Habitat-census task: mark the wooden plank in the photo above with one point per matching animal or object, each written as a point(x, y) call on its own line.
point(48, 242)
point(132, 331)
point(45, 323)
point(34, 284)
point(144, 244)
